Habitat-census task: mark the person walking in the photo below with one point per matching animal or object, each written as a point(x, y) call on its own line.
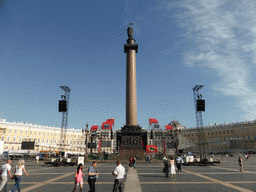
point(240, 164)
point(179, 164)
point(92, 176)
point(133, 161)
point(6, 168)
point(119, 174)
point(79, 177)
point(18, 173)
point(130, 162)
point(166, 166)
point(173, 172)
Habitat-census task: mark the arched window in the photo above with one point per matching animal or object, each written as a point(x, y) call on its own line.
point(77, 142)
point(55, 141)
point(51, 140)
point(14, 138)
point(47, 140)
point(42, 140)
point(38, 140)
point(20, 139)
point(2, 138)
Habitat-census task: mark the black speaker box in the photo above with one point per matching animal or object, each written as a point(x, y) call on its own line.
point(200, 105)
point(62, 106)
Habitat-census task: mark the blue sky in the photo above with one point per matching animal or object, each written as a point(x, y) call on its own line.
point(46, 44)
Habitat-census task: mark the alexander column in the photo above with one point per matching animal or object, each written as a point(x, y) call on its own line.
point(130, 138)
point(131, 88)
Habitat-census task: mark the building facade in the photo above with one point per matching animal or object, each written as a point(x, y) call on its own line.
point(217, 137)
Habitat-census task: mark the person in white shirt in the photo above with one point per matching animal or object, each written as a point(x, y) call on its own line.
point(17, 174)
point(6, 168)
point(119, 174)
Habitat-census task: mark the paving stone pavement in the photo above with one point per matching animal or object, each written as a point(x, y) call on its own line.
point(146, 177)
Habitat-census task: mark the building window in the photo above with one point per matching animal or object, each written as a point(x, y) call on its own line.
point(35, 132)
point(223, 132)
point(21, 132)
point(15, 131)
point(39, 133)
point(247, 130)
point(38, 140)
point(52, 134)
point(55, 141)
point(77, 142)
point(75, 135)
point(231, 131)
point(220, 140)
point(74, 142)
point(14, 138)
point(192, 135)
point(51, 140)
point(30, 132)
point(67, 141)
point(19, 148)
point(12, 147)
point(47, 140)
point(10, 130)
point(227, 131)
point(4, 131)
point(236, 131)
point(243, 137)
point(220, 132)
point(68, 136)
point(26, 132)
point(42, 140)
point(252, 129)
point(47, 134)
point(225, 147)
point(43, 133)
point(242, 130)
point(212, 133)
point(249, 138)
point(20, 139)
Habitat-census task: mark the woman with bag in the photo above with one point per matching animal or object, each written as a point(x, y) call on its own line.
point(18, 173)
point(79, 177)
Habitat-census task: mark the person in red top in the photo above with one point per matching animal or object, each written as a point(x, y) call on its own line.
point(130, 162)
point(79, 177)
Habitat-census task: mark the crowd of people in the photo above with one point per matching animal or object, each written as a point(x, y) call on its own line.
point(118, 173)
point(169, 166)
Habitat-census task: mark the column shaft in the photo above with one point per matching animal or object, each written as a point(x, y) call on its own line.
point(131, 89)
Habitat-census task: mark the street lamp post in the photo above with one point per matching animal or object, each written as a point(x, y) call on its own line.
point(86, 132)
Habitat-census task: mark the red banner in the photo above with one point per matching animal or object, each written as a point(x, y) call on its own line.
point(168, 127)
point(94, 128)
point(151, 149)
point(152, 121)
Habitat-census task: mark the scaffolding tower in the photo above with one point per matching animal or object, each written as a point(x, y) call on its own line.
point(64, 123)
point(199, 120)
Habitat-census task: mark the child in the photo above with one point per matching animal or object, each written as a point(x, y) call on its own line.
point(79, 177)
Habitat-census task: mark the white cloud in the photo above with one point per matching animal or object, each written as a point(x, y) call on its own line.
point(224, 36)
